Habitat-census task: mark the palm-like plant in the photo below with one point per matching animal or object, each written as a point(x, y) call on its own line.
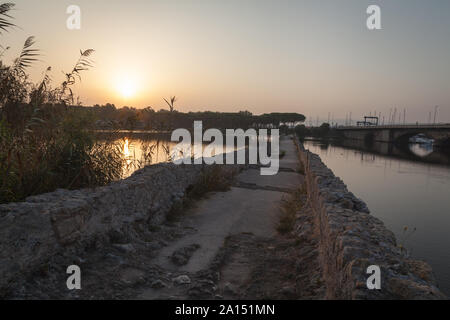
point(13, 79)
point(171, 104)
point(5, 18)
point(26, 58)
point(83, 64)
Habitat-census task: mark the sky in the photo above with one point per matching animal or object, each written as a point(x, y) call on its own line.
point(313, 57)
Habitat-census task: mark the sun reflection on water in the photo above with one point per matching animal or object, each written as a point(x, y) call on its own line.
point(126, 148)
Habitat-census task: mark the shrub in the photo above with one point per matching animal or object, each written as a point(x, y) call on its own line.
point(45, 143)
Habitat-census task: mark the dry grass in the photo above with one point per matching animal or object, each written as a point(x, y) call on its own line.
point(61, 154)
point(290, 205)
point(216, 178)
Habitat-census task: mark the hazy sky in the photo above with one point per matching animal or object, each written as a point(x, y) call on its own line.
point(312, 57)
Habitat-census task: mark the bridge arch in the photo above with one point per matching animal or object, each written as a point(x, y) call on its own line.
point(403, 137)
point(401, 133)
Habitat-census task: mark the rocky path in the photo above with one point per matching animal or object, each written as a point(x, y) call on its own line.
point(225, 247)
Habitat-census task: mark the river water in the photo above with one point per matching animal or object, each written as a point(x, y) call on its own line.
point(141, 149)
point(404, 187)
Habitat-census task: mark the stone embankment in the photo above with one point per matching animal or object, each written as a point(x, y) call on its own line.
point(351, 240)
point(33, 231)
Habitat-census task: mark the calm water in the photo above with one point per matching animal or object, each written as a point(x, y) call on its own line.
point(408, 187)
point(146, 149)
point(139, 152)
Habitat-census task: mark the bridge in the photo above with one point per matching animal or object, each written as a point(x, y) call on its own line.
point(396, 133)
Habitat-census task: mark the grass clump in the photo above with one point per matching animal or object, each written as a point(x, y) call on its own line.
point(290, 205)
point(215, 178)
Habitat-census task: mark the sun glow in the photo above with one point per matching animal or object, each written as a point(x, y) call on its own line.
point(127, 87)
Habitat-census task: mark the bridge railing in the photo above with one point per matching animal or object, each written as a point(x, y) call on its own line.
point(398, 126)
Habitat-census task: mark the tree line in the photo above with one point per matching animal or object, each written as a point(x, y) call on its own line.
point(108, 116)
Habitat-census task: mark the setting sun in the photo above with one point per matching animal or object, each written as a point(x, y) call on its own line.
point(126, 87)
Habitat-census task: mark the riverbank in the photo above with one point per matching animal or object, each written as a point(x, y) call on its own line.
point(409, 195)
point(351, 240)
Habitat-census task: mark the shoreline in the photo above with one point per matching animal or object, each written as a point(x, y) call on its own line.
point(351, 240)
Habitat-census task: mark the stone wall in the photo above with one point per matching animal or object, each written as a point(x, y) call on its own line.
point(34, 230)
point(351, 240)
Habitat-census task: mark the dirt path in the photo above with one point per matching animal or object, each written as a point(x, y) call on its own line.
point(226, 246)
point(236, 245)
